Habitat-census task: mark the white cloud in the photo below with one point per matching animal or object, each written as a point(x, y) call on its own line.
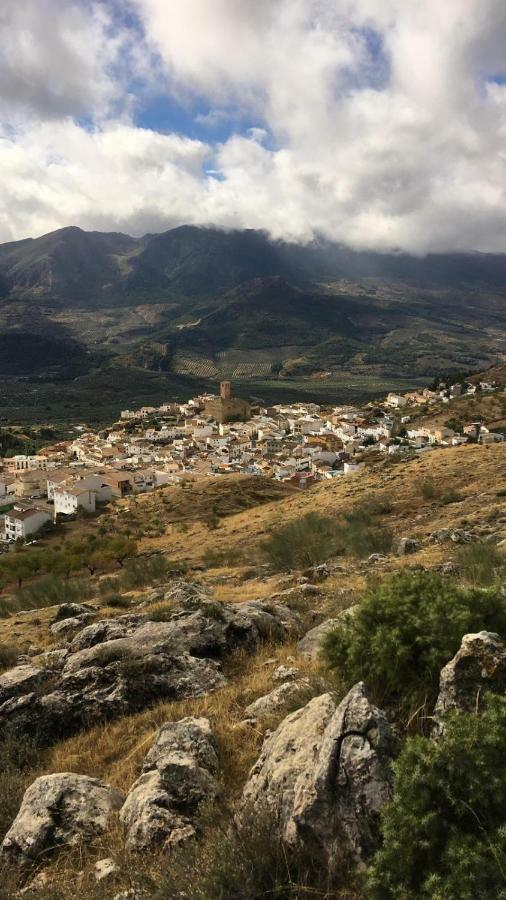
point(379, 123)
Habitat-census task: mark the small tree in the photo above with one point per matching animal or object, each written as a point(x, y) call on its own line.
point(406, 628)
point(444, 833)
point(304, 542)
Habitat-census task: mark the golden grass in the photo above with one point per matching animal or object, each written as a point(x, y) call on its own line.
point(115, 751)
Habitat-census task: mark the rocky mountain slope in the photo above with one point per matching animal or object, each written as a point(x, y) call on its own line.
point(179, 735)
point(204, 303)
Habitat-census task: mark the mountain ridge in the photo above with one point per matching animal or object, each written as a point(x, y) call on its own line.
point(206, 303)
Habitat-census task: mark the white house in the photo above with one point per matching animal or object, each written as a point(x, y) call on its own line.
point(396, 400)
point(68, 500)
point(20, 523)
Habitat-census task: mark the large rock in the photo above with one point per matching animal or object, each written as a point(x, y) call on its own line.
point(277, 700)
point(105, 630)
point(407, 545)
point(56, 810)
point(201, 627)
point(477, 667)
point(309, 646)
point(325, 774)
point(20, 680)
point(66, 626)
point(126, 664)
point(178, 774)
point(115, 683)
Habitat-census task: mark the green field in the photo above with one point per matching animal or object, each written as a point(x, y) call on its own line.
point(97, 399)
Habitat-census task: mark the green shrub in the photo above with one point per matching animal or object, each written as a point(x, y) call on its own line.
point(480, 563)
point(444, 833)
point(48, 591)
point(406, 628)
point(305, 542)
point(450, 496)
point(116, 601)
point(428, 488)
point(8, 656)
point(150, 570)
point(363, 538)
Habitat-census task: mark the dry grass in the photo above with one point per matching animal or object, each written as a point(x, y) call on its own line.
point(115, 751)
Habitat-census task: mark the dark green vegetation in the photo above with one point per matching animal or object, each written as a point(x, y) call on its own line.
point(179, 310)
point(313, 539)
point(444, 834)
point(406, 629)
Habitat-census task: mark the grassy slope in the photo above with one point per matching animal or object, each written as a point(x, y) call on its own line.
point(115, 752)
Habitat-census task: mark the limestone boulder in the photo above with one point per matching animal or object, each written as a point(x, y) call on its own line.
point(479, 666)
point(20, 680)
point(406, 545)
point(108, 685)
point(105, 630)
point(325, 774)
point(179, 773)
point(57, 810)
point(277, 700)
point(309, 646)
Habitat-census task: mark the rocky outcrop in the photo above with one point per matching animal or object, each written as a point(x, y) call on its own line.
point(111, 684)
point(123, 665)
point(202, 628)
point(325, 774)
point(278, 700)
point(20, 680)
point(178, 774)
point(106, 630)
point(66, 626)
point(72, 611)
point(406, 545)
point(456, 535)
point(309, 646)
point(59, 810)
point(477, 667)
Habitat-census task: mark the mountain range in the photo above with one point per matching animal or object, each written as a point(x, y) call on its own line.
point(202, 303)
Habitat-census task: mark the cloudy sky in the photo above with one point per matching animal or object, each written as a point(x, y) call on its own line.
point(378, 123)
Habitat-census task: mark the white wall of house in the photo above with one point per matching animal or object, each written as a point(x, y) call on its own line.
point(15, 527)
point(67, 502)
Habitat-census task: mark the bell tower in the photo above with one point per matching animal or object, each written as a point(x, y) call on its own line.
point(225, 390)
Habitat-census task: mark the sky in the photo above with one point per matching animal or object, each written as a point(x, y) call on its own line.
point(380, 124)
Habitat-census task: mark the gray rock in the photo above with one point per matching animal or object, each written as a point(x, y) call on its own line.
point(286, 673)
point(277, 700)
point(56, 810)
point(406, 546)
point(106, 630)
point(105, 868)
point(477, 667)
point(178, 774)
point(376, 557)
point(20, 680)
point(54, 659)
point(462, 537)
point(110, 684)
point(209, 629)
point(129, 663)
point(325, 774)
point(65, 626)
point(309, 646)
point(73, 611)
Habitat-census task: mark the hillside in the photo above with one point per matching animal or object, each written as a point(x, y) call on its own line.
point(203, 304)
point(211, 536)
